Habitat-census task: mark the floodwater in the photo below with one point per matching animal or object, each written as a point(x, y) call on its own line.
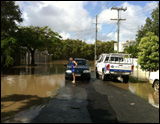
point(25, 90)
point(142, 89)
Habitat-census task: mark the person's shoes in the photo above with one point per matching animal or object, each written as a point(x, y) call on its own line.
point(73, 82)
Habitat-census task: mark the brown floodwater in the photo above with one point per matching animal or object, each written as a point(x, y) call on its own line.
point(26, 90)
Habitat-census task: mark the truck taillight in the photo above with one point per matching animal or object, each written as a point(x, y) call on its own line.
point(132, 67)
point(108, 66)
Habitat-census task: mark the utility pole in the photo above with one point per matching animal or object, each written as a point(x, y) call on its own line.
point(118, 20)
point(95, 56)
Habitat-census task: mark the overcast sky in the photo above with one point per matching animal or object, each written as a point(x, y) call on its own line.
point(75, 19)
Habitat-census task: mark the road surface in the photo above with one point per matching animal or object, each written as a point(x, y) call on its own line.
point(98, 102)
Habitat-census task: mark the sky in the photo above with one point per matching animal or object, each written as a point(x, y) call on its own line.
point(76, 19)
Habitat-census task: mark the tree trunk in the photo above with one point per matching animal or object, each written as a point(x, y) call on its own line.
point(32, 56)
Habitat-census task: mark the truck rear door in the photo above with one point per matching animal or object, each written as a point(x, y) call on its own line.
point(120, 67)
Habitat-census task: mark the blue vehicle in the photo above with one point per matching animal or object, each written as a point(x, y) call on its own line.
point(81, 71)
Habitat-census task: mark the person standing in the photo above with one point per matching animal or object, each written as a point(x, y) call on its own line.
point(74, 65)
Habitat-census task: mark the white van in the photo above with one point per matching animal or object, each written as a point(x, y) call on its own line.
point(154, 80)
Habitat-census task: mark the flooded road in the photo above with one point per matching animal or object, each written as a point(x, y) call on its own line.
point(142, 89)
point(26, 90)
point(25, 87)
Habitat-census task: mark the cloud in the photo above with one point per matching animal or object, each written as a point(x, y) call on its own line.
point(20, 3)
point(65, 35)
point(150, 6)
point(72, 20)
point(94, 3)
point(134, 15)
point(108, 37)
point(61, 16)
point(90, 41)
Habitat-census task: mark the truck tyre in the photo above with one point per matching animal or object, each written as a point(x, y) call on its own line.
point(97, 75)
point(156, 85)
point(125, 79)
point(66, 78)
point(103, 76)
point(88, 79)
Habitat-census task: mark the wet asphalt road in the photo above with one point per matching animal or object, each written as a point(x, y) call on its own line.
point(96, 102)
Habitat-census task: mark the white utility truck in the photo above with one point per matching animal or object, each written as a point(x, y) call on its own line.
point(114, 65)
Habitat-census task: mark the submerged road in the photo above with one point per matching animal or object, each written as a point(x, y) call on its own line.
point(96, 102)
point(42, 95)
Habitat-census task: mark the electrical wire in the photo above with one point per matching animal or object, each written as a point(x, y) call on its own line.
point(141, 12)
point(84, 30)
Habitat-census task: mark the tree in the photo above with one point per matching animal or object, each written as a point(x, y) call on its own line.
point(36, 38)
point(155, 22)
point(133, 50)
point(7, 50)
point(105, 47)
point(151, 25)
point(10, 14)
point(149, 52)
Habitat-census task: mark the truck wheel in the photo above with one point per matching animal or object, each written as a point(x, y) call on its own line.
point(156, 85)
point(88, 79)
point(66, 78)
point(125, 79)
point(103, 76)
point(97, 75)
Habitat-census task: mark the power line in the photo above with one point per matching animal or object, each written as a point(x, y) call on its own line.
point(84, 34)
point(111, 28)
point(97, 7)
point(85, 30)
point(141, 12)
point(113, 34)
point(109, 5)
point(109, 37)
point(131, 29)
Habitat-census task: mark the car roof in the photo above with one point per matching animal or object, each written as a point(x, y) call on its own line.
point(79, 59)
point(104, 54)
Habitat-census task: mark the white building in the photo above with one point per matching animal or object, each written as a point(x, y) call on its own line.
point(122, 45)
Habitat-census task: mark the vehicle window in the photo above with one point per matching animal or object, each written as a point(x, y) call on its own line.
point(116, 59)
point(101, 59)
point(81, 62)
point(107, 58)
point(70, 62)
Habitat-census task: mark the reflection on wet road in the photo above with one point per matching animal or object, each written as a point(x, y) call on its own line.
point(142, 89)
point(25, 90)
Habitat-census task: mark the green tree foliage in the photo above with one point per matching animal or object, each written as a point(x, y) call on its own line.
point(155, 21)
point(7, 46)
point(36, 38)
point(133, 50)
point(79, 49)
point(149, 52)
point(10, 14)
point(151, 25)
point(105, 47)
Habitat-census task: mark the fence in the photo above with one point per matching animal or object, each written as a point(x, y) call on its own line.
point(138, 72)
